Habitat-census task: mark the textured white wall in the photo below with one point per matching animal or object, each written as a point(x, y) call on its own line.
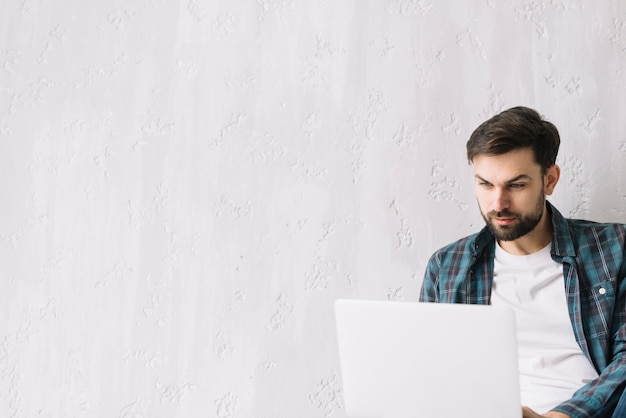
point(187, 186)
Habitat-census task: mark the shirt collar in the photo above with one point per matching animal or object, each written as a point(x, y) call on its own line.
point(562, 242)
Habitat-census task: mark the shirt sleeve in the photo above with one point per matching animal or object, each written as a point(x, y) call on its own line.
point(429, 291)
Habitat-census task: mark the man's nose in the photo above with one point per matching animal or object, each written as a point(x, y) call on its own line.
point(501, 200)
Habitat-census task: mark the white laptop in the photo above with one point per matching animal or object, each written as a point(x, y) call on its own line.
point(430, 360)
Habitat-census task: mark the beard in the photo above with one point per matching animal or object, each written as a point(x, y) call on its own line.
point(524, 225)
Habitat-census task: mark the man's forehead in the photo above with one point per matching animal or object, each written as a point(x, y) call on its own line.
point(506, 167)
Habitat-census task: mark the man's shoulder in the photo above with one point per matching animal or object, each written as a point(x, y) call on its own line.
point(467, 245)
point(591, 239)
point(460, 244)
point(572, 234)
point(583, 227)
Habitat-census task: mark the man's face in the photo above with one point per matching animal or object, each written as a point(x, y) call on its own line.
point(511, 193)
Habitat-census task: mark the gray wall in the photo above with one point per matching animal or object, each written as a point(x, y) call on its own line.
point(187, 186)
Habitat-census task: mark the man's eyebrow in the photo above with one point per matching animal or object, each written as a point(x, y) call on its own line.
point(520, 177)
point(513, 180)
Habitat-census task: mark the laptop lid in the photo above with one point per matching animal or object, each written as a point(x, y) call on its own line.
point(401, 360)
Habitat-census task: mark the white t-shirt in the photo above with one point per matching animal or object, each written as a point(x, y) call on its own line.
point(552, 365)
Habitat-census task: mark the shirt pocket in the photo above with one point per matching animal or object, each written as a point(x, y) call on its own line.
point(597, 305)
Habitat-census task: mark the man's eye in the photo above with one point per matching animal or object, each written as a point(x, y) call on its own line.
point(517, 185)
point(485, 184)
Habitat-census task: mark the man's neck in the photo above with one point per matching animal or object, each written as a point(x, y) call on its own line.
point(534, 241)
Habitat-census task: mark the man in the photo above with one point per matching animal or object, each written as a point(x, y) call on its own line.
point(564, 278)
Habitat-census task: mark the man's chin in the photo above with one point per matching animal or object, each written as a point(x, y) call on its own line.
point(503, 233)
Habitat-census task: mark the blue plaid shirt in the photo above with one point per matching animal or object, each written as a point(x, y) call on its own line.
point(593, 256)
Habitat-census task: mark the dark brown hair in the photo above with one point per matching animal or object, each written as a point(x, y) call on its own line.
point(516, 128)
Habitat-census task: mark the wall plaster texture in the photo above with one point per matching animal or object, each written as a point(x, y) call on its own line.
point(187, 186)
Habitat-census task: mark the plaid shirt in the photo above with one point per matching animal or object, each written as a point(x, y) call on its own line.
point(593, 256)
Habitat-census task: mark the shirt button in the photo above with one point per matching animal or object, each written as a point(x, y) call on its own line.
point(602, 291)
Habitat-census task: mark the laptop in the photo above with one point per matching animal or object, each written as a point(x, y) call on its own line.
point(430, 360)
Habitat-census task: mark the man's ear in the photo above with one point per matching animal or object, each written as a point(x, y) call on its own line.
point(551, 178)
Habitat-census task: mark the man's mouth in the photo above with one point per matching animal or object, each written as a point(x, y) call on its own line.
point(503, 221)
point(502, 218)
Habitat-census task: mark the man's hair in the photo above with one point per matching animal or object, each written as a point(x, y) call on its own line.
point(516, 128)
